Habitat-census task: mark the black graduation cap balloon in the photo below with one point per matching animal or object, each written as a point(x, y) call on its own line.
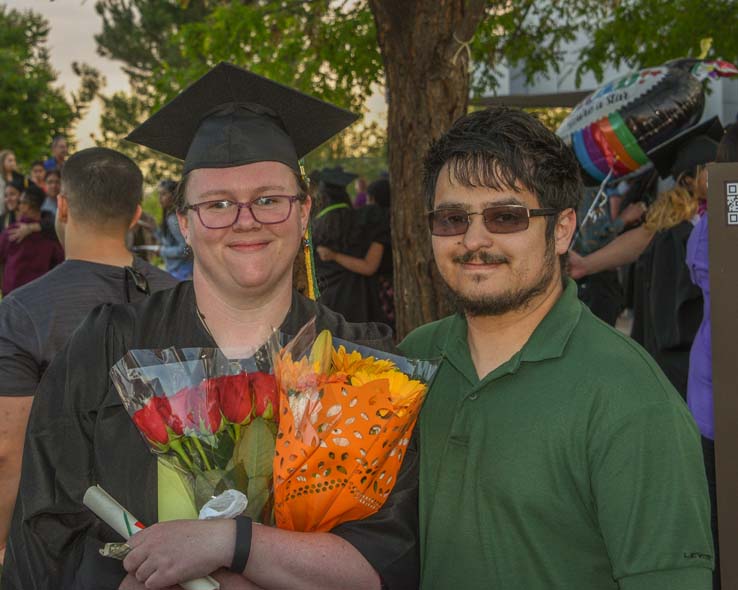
point(615, 127)
point(692, 147)
point(231, 116)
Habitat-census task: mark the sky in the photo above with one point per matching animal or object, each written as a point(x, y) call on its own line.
point(74, 23)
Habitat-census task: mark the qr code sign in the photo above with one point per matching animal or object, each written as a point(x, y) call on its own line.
point(731, 194)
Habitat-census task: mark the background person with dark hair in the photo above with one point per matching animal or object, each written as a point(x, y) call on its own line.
point(59, 152)
point(25, 261)
point(38, 174)
point(374, 220)
point(350, 289)
point(100, 200)
point(48, 211)
point(8, 171)
point(173, 248)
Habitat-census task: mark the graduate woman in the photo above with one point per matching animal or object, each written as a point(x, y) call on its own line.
point(243, 209)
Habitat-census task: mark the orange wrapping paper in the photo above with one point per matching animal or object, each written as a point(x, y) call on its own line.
point(341, 463)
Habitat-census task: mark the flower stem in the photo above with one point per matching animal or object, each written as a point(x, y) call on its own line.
point(177, 446)
point(200, 450)
point(237, 429)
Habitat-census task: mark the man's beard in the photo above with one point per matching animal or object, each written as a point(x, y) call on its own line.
point(495, 305)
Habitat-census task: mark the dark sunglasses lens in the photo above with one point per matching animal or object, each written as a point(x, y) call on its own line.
point(505, 220)
point(448, 222)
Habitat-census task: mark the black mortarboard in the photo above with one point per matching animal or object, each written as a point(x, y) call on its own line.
point(697, 145)
point(336, 177)
point(231, 117)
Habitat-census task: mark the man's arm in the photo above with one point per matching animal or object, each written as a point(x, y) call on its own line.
point(650, 494)
point(13, 420)
point(19, 376)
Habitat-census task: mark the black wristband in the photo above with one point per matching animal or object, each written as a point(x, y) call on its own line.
point(243, 544)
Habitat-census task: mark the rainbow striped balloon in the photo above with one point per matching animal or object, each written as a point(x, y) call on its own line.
point(616, 126)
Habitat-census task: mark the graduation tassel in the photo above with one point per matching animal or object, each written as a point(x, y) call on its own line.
point(312, 279)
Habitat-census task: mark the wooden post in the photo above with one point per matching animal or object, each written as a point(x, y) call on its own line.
point(722, 205)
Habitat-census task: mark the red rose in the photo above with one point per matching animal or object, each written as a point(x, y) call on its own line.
point(266, 394)
point(151, 421)
point(235, 397)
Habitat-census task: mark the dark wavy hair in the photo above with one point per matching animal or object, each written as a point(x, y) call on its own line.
point(507, 149)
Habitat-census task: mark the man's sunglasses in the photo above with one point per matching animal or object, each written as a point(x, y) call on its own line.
point(501, 219)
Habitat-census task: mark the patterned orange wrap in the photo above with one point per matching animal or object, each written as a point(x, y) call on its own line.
point(340, 462)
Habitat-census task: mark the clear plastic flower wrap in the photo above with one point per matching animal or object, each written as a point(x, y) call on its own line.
point(211, 418)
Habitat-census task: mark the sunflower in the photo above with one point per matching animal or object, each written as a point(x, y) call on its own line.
point(403, 391)
point(351, 363)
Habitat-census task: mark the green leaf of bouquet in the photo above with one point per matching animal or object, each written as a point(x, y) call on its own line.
point(209, 484)
point(257, 493)
point(255, 450)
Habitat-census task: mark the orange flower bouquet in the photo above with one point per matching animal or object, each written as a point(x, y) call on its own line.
point(346, 417)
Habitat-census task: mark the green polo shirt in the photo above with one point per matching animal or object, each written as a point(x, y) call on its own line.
point(575, 465)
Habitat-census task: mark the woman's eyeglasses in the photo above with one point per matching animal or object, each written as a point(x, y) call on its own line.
point(500, 219)
point(224, 213)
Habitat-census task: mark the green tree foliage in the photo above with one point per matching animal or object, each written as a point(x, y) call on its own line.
point(643, 33)
point(34, 110)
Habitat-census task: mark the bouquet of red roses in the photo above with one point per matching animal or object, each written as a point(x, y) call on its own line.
point(212, 418)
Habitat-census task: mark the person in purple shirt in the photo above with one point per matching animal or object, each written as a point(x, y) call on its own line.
point(33, 257)
point(699, 384)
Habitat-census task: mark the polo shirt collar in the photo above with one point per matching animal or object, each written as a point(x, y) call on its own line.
point(548, 340)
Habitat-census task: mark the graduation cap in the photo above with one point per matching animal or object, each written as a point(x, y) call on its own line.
point(697, 145)
point(336, 177)
point(231, 117)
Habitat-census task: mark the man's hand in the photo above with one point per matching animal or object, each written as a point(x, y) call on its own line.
point(633, 213)
point(577, 266)
point(173, 552)
point(20, 232)
point(325, 254)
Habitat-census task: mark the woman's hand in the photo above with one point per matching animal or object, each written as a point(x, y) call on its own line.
point(326, 254)
point(20, 232)
point(172, 552)
point(131, 583)
point(227, 580)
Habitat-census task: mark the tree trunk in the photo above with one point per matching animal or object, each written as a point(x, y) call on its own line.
point(427, 78)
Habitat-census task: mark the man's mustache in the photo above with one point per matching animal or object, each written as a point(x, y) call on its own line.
point(481, 257)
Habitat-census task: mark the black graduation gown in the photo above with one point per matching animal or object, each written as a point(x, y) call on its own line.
point(79, 435)
point(354, 296)
point(667, 306)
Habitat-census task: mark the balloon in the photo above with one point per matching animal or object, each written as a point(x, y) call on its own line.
point(615, 127)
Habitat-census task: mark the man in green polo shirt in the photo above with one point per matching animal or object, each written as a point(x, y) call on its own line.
point(554, 453)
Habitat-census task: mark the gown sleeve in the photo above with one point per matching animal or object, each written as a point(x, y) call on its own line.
point(388, 539)
point(54, 539)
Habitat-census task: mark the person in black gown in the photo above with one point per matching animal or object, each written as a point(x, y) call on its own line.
point(338, 229)
point(243, 209)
